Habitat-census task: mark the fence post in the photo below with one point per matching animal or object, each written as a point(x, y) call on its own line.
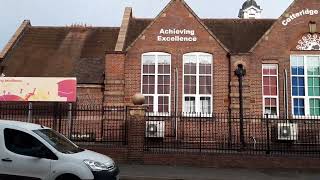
point(55, 115)
point(125, 126)
point(268, 134)
point(60, 110)
point(70, 120)
point(229, 130)
point(30, 112)
point(200, 119)
point(102, 122)
point(136, 129)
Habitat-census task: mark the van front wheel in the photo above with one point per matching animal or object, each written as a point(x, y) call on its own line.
point(68, 177)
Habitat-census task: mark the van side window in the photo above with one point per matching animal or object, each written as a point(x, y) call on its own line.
point(21, 143)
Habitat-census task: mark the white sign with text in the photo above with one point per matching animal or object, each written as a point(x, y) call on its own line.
point(304, 12)
point(177, 35)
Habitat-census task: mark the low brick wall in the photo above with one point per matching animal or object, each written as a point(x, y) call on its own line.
point(233, 161)
point(120, 155)
point(135, 151)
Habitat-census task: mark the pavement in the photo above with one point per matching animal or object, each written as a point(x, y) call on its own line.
point(156, 172)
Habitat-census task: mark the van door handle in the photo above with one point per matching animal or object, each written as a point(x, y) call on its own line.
point(6, 160)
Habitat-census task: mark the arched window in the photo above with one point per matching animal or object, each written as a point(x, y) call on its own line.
point(197, 83)
point(156, 80)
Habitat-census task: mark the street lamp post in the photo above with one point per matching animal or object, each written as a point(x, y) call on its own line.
point(241, 72)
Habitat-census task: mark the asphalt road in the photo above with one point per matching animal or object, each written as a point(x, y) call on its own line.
point(154, 172)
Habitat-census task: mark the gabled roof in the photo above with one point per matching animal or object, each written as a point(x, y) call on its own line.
point(136, 27)
point(61, 52)
point(234, 35)
point(237, 35)
point(80, 51)
point(19, 32)
point(271, 27)
point(164, 10)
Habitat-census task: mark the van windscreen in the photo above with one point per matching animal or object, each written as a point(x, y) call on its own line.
point(58, 141)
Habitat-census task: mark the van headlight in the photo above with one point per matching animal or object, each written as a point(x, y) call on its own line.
point(95, 166)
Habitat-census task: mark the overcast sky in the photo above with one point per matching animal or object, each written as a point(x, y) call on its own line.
point(109, 12)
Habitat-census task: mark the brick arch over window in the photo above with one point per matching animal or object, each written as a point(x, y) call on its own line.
point(156, 81)
point(235, 65)
point(197, 82)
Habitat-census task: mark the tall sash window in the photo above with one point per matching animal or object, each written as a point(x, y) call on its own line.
point(156, 81)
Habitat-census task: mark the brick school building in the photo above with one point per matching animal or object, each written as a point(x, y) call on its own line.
point(181, 62)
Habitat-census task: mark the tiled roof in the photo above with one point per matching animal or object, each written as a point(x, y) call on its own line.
point(61, 52)
point(239, 35)
point(136, 26)
point(80, 51)
point(90, 70)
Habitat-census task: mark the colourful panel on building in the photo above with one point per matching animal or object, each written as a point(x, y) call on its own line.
point(38, 89)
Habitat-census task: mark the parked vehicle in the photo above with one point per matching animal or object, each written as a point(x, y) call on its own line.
point(31, 151)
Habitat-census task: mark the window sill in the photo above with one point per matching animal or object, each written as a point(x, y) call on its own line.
point(189, 115)
point(158, 114)
point(306, 117)
point(270, 116)
point(196, 115)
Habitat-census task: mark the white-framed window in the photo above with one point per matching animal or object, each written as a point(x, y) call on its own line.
point(197, 83)
point(156, 81)
point(305, 85)
point(270, 89)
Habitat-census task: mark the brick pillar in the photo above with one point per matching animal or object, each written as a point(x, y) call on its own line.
point(114, 79)
point(136, 133)
point(234, 85)
point(124, 29)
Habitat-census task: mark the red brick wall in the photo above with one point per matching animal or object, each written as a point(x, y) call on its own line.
point(276, 47)
point(178, 17)
point(114, 83)
point(235, 60)
point(232, 161)
point(124, 70)
point(120, 155)
point(114, 65)
point(90, 95)
point(135, 152)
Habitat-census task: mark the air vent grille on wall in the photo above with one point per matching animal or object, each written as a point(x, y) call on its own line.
point(287, 131)
point(155, 129)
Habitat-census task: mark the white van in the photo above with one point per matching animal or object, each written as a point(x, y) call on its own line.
point(31, 151)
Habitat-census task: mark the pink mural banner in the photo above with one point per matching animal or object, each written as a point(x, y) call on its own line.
point(33, 89)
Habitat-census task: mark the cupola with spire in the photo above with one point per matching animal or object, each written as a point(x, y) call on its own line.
point(250, 10)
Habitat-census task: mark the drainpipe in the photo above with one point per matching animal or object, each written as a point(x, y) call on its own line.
point(285, 86)
point(241, 72)
point(176, 101)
